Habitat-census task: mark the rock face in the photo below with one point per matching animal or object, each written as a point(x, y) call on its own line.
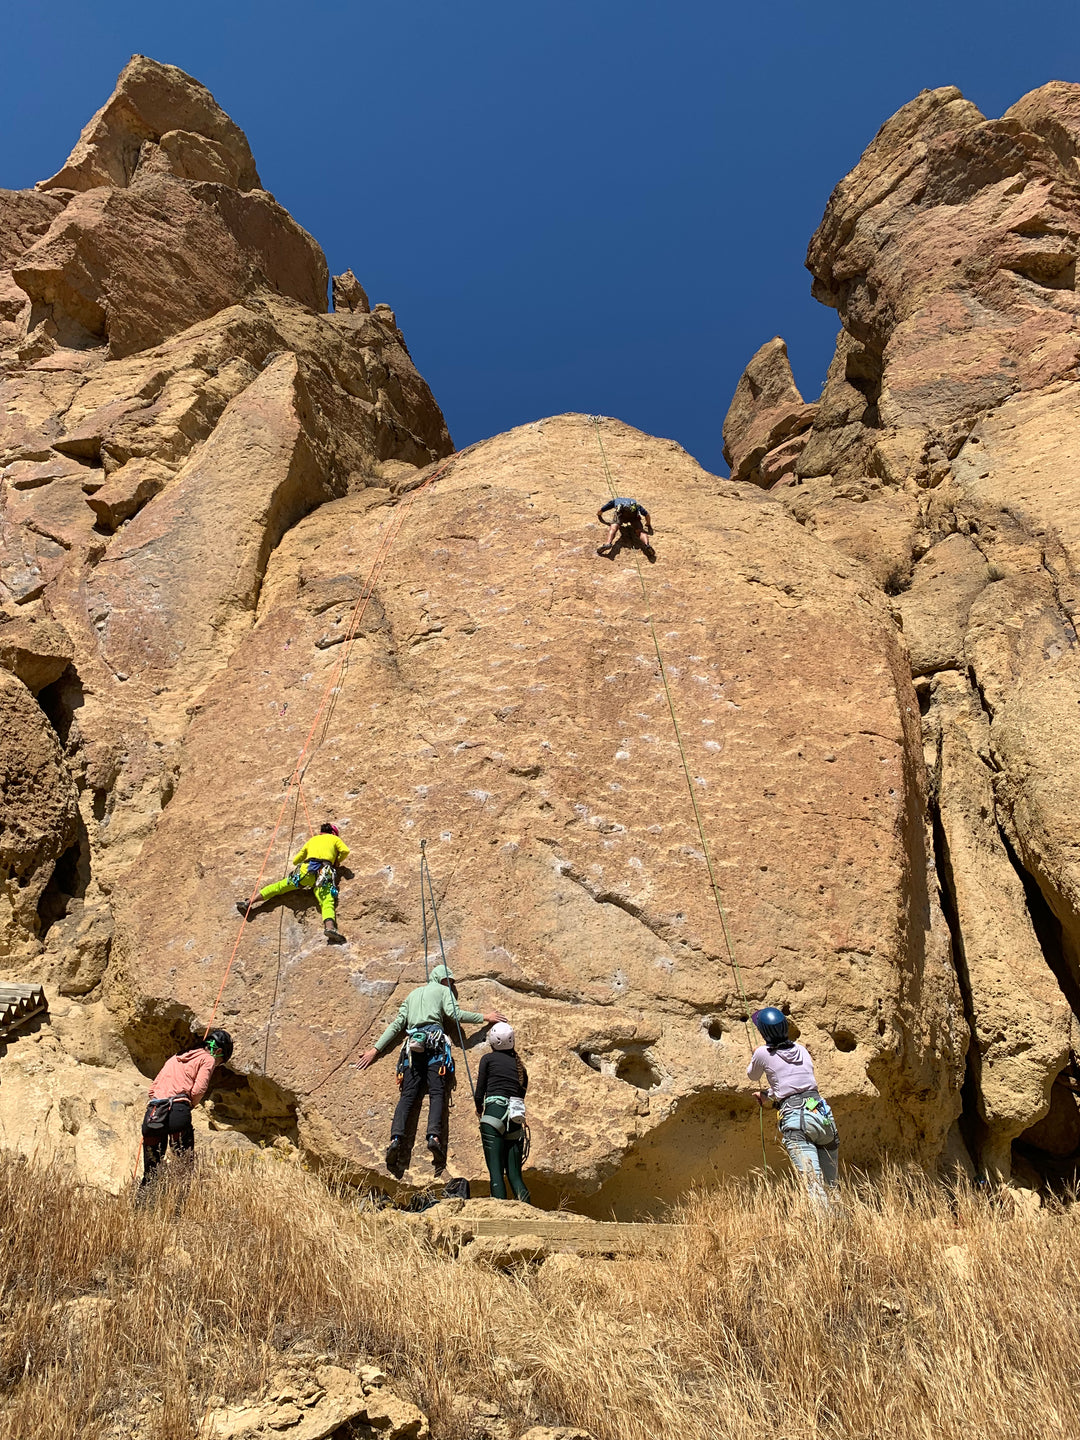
point(38, 809)
point(157, 118)
point(206, 477)
point(766, 424)
point(503, 700)
point(943, 456)
point(175, 398)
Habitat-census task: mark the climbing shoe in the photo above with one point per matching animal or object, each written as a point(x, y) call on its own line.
point(242, 906)
point(438, 1151)
point(393, 1151)
point(335, 937)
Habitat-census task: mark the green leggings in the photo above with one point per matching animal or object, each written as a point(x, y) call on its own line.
point(323, 893)
point(503, 1156)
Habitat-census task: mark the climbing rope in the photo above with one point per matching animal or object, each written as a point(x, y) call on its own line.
point(425, 880)
point(307, 812)
point(304, 758)
point(713, 886)
point(423, 907)
point(281, 928)
point(425, 874)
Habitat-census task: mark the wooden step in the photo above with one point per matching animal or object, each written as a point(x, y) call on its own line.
point(599, 1236)
point(18, 1004)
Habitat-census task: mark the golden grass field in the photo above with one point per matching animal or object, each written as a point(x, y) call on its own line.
point(916, 1312)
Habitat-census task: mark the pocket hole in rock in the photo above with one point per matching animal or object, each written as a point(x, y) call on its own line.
point(638, 1070)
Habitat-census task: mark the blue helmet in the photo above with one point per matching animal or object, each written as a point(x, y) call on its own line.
point(771, 1023)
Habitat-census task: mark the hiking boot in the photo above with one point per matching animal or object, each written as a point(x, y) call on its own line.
point(393, 1151)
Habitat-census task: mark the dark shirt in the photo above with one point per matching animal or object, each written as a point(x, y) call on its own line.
point(625, 509)
point(498, 1075)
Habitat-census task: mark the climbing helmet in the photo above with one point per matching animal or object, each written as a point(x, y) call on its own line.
point(219, 1043)
point(771, 1023)
point(501, 1036)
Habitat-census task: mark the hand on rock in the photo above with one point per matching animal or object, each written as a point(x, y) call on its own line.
point(368, 1058)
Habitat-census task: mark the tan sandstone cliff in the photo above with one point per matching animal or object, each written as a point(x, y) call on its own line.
point(943, 456)
point(200, 465)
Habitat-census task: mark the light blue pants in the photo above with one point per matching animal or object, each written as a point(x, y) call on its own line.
point(817, 1164)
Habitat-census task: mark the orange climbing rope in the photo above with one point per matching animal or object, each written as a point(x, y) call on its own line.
point(367, 590)
point(307, 812)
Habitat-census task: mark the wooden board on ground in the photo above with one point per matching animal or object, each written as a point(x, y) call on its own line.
point(19, 1003)
point(598, 1236)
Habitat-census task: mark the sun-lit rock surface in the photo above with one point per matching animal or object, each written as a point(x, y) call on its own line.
point(943, 455)
point(199, 464)
point(504, 702)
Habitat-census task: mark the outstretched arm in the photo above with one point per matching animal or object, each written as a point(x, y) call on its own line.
point(393, 1031)
point(453, 1012)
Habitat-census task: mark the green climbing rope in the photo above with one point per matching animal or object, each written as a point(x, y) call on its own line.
point(714, 887)
point(425, 874)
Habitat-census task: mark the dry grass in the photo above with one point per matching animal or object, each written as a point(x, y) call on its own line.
point(915, 1314)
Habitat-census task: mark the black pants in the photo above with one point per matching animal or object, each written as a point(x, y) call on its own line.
point(178, 1133)
point(418, 1079)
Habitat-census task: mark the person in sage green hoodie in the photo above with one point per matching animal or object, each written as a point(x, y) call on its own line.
point(425, 1015)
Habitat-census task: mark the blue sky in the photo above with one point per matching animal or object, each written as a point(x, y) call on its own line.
point(599, 206)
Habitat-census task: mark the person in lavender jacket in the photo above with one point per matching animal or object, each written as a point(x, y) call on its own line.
point(807, 1128)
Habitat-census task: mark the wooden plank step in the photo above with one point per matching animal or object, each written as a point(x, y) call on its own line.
point(574, 1234)
point(18, 1004)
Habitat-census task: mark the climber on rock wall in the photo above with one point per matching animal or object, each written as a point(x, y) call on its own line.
point(501, 1083)
point(807, 1128)
point(425, 1064)
point(630, 522)
point(315, 867)
point(180, 1084)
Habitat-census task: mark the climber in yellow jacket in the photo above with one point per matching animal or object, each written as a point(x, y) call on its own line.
point(314, 867)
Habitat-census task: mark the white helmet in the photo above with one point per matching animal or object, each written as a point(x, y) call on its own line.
point(501, 1036)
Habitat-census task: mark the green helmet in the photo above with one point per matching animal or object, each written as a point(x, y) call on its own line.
point(442, 972)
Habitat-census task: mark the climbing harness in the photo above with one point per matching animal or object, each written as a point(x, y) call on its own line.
point(501, 1111)
point(426, 1046)
point(714, 887)
point(426, 1040)
point(158, 1112)
point(816, 1122)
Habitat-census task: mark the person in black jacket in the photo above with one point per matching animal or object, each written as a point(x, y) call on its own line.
point(501, 1083)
